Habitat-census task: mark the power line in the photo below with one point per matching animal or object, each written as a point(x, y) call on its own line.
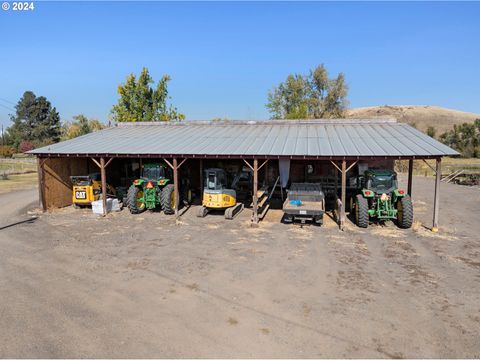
point(7, 107)
point(8, 101)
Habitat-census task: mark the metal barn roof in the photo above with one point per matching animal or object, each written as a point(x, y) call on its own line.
point(275, 138)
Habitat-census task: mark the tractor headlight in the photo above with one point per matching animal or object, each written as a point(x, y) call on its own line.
point(384, 197)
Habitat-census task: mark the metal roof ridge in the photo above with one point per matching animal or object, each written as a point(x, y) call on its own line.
point(340, 121)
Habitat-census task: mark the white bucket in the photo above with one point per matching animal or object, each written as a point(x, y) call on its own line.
point(97, 207)
point(112, 205)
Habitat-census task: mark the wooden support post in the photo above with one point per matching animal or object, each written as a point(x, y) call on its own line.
point(201, 178)
point(266, 177)
point(255, 191)
point(175, 184)
point(410, 177)
point(336, 191)
point(436, 199)
point(344, 194)
point(336, 184)
point(104, 184)
point(41, 184)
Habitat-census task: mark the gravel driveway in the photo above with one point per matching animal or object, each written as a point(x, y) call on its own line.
point(74, 285)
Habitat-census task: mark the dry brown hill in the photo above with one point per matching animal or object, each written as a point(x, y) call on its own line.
point(421, 116)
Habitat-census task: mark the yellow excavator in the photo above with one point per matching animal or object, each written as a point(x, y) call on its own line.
point(218, 196)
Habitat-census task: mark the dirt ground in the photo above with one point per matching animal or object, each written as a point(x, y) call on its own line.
point(76, 285)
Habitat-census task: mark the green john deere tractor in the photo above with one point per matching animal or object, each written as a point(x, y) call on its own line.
point(379, 197)
point(154, 189)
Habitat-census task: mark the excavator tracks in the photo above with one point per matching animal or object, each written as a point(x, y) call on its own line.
point(233, 211)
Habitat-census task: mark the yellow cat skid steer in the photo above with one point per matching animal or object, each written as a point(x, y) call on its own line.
point(217, 196)
point(88, 188)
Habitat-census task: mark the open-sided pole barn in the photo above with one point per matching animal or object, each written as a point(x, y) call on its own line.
point(341, 143)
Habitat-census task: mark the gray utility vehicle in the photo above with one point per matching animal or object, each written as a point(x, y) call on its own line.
point(305, 202)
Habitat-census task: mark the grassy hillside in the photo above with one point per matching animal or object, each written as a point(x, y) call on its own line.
point(449, 166)
point(421, 116)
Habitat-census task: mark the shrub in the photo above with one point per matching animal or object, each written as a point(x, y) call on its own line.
point(6, 151)
point(25, 146)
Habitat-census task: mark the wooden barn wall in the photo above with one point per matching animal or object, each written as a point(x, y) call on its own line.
point(298, 169)
point(57, 172)
point(190, 171)
point(58, 188)
point(321, 169)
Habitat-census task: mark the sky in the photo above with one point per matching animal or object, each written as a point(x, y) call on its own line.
point(224, 57)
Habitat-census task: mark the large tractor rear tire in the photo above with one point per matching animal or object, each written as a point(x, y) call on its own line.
point(167, 199)
point(361, 211)
point(405, 212)
point(135, 199)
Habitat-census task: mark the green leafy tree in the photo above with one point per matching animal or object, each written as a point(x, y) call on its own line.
point(431, 131)
point(80, 125)
point(35, 121)
point(465, 138)
point(311, 96)
point(139, 101)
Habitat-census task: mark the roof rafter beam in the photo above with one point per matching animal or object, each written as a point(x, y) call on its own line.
point(262, 164)
point(348, 169)
point(168, 163)
point(109, 161)
point(250, 166)
point(351, 166)
point(181, 163)
point(338, 168)
point(96, 162)
point(430, 166)
point(178, 166)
